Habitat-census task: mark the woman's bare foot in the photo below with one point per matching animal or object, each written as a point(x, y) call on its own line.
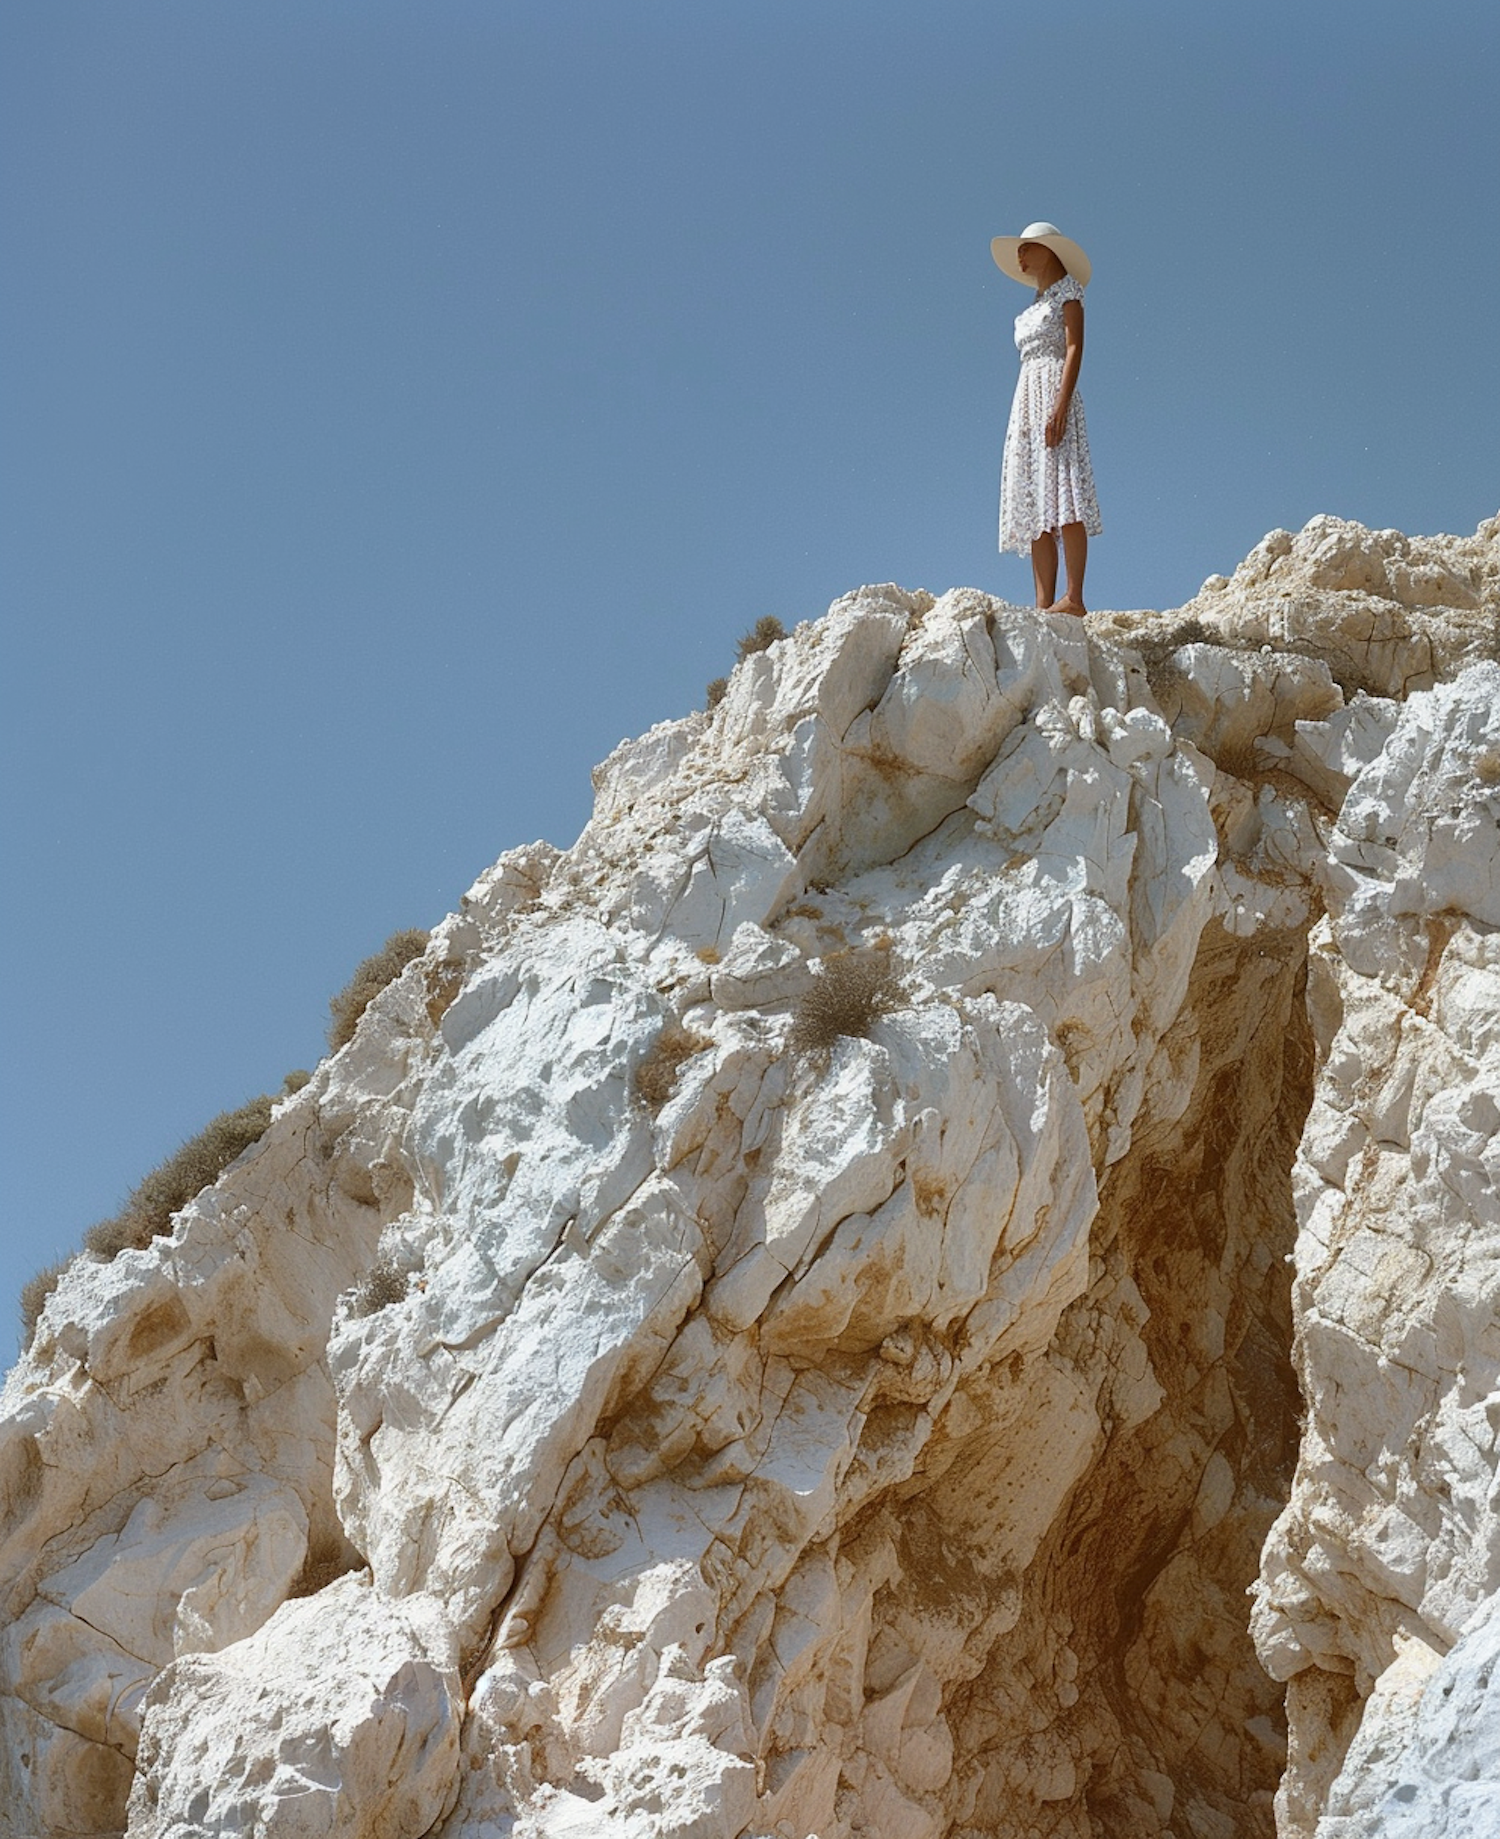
point(1068, 605)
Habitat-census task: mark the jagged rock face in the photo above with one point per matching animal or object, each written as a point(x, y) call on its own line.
point(813, 1412)
point(1388, 613)
point(1377, 1601)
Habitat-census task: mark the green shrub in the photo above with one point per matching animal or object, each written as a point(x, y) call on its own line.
point(656, 1076)
point(147, 1215)
point(370, 978)
point(848, 992)
point(761, 636)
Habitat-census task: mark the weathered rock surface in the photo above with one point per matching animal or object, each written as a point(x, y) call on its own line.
point(867, 1427)
point(1384, 1567)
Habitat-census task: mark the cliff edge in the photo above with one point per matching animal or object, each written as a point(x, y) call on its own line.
point(807, 1312)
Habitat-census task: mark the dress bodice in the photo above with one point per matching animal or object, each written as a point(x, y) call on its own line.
point(1040, 332)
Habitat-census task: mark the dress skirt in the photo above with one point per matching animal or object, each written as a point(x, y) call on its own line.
point(1041, 487)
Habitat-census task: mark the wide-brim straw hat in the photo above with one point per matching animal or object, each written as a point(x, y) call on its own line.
point(1004, 248)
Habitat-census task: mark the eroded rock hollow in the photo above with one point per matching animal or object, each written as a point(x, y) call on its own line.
point(809, 1312)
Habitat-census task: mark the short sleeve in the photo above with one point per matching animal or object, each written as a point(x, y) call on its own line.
point(1069, 288)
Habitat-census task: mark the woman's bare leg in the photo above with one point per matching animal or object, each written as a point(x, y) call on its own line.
point(1044, 568)
point(1075, 542)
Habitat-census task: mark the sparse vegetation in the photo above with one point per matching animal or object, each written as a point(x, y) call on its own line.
point(1487, 766)
point(381, 1286)
point(849, 991)
point(197, 1165)
point(148, 1212)
point(761, 636)
point(656, 1076)
point(1156, 652)
point(147, 1215)
point(34, 1294)
point(369, 979)
point(325, 1564)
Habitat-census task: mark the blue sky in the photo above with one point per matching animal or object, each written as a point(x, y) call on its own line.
point(402, 403)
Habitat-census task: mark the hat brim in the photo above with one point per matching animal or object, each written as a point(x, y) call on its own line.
point(1003, 249)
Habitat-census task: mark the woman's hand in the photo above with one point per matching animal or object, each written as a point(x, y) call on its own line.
point(1057, 421)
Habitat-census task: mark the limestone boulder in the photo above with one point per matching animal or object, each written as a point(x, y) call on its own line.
point(338, 1719)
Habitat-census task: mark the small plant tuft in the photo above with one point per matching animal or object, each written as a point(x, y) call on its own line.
point(1487, 766)
point(656, 1076)
point(323, 1565)
point(34, 1296)
point(761, 636)
point(294, 1081)
point(1156, 652)
point(380, 1287)
point(716, 692)
point(369, 979)
point(147, 1215)
point(849, 991)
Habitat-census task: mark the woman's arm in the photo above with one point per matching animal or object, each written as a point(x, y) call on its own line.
point(1057, 421)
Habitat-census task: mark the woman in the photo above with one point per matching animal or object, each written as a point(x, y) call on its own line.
point(1046, 481)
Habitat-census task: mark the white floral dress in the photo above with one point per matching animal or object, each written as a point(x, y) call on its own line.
point(1041, 487)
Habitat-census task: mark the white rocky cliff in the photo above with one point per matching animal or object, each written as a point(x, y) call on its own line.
point(807, 1313)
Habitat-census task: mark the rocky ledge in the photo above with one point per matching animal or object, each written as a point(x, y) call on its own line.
point(806, 1313)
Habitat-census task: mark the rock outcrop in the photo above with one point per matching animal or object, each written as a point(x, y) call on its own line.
point(807, 1312)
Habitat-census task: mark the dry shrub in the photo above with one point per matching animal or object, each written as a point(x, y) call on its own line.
point(323, 1565)
point(34, 1294)
point(147, 1215)
point(380, 1287)
point(123, 1232)
point(656, 1076)
point(761, 636)
point(1157, 651)
point(370, 978)
point(1487, 766)
point(849, 991)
